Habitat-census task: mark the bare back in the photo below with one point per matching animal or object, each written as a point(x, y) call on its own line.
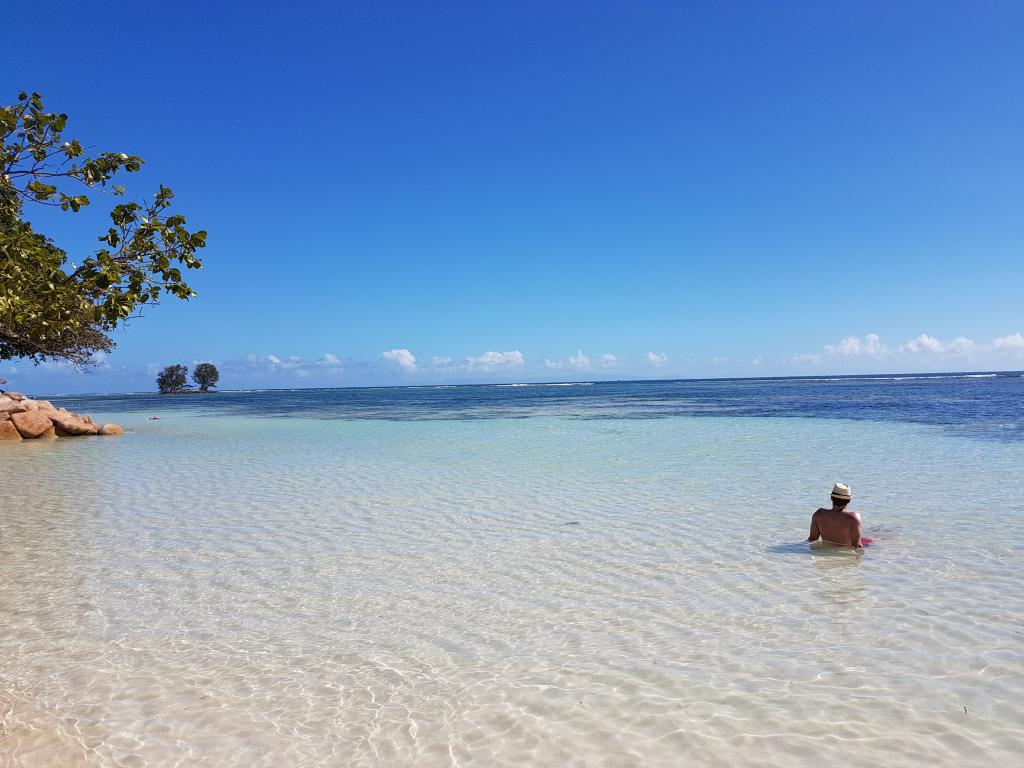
point(836, 526)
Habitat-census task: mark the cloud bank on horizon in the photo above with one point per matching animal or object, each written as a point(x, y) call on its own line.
point(401, 366)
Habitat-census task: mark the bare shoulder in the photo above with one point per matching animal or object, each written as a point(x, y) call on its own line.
point(854, 515)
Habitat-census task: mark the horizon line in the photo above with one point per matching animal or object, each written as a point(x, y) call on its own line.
point(808, 377)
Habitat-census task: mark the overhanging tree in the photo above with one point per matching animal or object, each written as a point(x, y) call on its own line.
point(51, 308)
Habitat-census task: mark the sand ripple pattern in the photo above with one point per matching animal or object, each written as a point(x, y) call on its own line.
point(524, 592)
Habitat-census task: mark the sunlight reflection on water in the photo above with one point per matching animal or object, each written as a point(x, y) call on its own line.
point(543, 591)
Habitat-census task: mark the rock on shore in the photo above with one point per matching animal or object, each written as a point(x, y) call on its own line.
point(22, 418)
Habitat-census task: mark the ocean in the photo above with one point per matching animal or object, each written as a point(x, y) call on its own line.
point(604, 574)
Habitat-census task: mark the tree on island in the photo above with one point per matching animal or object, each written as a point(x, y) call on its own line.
point(205, 376)
point(53, 309)
point(172, 379)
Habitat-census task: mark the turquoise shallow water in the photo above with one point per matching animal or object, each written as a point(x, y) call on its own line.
point(215, 589)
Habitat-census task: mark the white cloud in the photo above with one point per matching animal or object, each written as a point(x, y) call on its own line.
point(552, 364)
point(442, 362)
point(852, 345)
point(403, 357)
point(579, 360)
point(759, 360)
point(58, 366)
point(657, 359)
point(252, 365)
point(801, 358)
point(923, 343)
point(960, 346)
point(490, 361)
point(330, 359)
point(929, 345)
point(609, 361)
point(1012, 343)
point(919, 349)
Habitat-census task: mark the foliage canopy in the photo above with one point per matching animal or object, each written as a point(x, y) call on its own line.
point(53, 309)
point(205, 376)
point(172, 378)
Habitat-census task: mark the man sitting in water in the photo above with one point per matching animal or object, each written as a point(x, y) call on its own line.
point(837, 525)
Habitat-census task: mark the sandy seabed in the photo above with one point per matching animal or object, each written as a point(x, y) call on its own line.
point(511, 592)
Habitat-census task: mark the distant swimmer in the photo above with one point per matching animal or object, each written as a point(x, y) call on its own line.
point(838, 525)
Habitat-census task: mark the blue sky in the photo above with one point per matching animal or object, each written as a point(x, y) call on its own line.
point(423, 192)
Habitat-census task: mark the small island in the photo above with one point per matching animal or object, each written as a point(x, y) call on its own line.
point(173, 380)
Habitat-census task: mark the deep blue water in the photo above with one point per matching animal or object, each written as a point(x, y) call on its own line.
point(986, 406)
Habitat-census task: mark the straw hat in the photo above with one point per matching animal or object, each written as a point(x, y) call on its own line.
point(842, 492)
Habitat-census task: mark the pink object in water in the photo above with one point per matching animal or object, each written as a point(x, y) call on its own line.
point(865, 542)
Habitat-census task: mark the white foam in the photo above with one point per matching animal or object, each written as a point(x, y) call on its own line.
point(553, 384)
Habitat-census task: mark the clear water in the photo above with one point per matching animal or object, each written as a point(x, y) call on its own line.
point(606, 575)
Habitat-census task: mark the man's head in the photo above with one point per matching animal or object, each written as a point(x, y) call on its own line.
point(841, 495)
